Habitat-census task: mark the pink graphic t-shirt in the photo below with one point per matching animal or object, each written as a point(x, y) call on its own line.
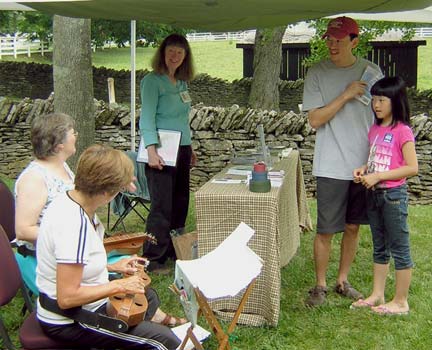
point(385, 152)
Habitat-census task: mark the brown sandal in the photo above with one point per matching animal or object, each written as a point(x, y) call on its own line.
point(168, 321)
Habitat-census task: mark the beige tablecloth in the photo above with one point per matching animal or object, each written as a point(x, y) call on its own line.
point(277, 218)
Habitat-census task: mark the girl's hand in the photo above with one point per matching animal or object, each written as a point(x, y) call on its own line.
point(370, 180)
point(127, 266)
point(130, 285)
point(358, 173)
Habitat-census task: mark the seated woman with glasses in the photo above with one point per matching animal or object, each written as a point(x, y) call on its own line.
point(53, 140)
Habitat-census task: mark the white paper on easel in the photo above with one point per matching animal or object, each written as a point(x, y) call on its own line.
point(226, 270)
point(200, 333)
point(169, 143)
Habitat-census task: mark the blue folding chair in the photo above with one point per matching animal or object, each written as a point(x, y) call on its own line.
point(126, 202)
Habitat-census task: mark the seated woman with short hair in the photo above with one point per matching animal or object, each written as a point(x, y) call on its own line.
point(72, 263)
point(53, 139)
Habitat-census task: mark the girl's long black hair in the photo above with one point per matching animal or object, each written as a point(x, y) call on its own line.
point(395, 89)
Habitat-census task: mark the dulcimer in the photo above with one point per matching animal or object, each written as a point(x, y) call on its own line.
point(130, 308)
point(123, 243)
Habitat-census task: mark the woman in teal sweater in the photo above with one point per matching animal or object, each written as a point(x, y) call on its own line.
point(165, 105)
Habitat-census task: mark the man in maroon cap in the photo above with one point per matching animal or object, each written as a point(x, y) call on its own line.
point(331, 91)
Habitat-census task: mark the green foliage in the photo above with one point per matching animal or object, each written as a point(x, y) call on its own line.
point(37, 24)
point(148, 34)
point(369, 30)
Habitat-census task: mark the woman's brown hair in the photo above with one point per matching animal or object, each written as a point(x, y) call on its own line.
point(103, 169)
point(186, 70)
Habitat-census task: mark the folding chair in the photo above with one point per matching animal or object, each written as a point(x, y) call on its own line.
point(31, 334)
point(125, 202)
point(7, 217)
point(228, 270)
point(7, 221)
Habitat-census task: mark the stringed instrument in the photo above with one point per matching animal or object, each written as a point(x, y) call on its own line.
point(130, 308)
point(123, 243)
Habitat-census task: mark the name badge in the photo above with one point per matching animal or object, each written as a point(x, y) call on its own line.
point(184, 95)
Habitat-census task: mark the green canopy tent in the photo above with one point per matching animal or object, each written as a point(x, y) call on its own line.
point(216, 15)
point(219, 15)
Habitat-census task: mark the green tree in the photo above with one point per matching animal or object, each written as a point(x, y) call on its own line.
point(369, 30)
point(39, 26)
point(119, 32)
point(73, 77)
point(264, 92)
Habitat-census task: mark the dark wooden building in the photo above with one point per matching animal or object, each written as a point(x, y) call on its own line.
point(394, 58)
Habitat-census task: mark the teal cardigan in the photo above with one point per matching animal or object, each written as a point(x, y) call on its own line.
point(163, 108)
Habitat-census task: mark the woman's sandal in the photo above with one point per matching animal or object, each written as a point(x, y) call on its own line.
point(168, 321)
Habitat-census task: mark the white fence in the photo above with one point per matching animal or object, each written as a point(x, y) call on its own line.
point(209, 36)
point(21, 45)
point(424, 32)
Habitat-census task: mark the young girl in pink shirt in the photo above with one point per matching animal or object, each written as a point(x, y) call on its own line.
point(392, 158)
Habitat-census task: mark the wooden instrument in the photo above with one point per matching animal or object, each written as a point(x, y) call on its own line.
point(130, 308)
point(123, 243)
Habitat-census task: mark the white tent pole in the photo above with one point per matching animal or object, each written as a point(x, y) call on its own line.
point(133, 78)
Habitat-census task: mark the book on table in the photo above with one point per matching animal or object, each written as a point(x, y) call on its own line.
point(167, 149)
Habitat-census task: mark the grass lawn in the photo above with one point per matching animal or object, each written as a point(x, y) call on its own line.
point(218, 59)
point(333, 326)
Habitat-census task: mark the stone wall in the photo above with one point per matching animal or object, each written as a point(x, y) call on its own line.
point(34, 80)
point(217, 134)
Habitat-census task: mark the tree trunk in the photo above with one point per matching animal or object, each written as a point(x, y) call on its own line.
point(73, 77)
point(264, 92)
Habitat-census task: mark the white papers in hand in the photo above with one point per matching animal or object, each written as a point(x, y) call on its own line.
point(226, 270)
point(169, 143)
point(370, 76)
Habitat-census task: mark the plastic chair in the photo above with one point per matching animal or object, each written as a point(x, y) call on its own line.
point(31, 334)
point(7, 212)
point(126, 202)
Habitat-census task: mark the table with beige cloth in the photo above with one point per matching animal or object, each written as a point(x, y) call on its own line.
point(277, 217)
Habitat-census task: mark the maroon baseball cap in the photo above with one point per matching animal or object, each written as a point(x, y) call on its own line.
point(340, 27)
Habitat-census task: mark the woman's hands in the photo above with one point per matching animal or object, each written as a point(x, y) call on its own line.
point(127, 266)
point(154, 160)
point(130, 285)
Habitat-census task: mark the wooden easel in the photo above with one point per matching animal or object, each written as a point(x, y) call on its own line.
point(214, 324)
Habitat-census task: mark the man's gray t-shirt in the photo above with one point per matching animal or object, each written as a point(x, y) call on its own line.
point(341, 144)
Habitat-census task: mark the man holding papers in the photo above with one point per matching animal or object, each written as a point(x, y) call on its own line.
point(166, 105)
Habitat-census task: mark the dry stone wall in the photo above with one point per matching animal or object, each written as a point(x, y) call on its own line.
point(218, 133)
point(35, 80)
